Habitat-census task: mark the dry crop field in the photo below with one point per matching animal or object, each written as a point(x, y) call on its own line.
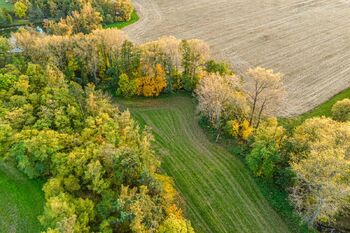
point(307, 40)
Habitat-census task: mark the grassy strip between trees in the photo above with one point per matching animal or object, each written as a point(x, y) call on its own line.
point(134, 18)
point(219, 192)
point(323, 109)
point(277, 197)
point(21, 201)
point(279, 201)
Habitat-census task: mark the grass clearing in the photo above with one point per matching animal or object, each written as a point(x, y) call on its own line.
point(6, 5)
point(219, 193)
point(21, 201)
point(134, 18)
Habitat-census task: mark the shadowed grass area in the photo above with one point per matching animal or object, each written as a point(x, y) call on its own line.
point(21, 201)
point(219, 193)
point(134, 18)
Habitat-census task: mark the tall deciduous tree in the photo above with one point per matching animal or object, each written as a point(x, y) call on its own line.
point(194, 55)
point(126, 87)
point(166, 51)
point(123, 10)
point(153, 83)
point(221, 97)
point(84, 21)
point(266, 93)
point(175, 225)
point(321, 163)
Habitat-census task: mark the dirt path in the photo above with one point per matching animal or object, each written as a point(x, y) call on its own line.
point(307, 40)
point(219, 193)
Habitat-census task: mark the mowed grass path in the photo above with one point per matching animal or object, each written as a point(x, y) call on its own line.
point(218, 191)
point(21, 201)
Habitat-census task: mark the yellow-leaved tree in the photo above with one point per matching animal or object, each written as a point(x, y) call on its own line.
point(265, 94)
point(153, 83)
point(176, 225)
point(241, 130)
point(322, 164)
point(221, 98)
point(341, 110)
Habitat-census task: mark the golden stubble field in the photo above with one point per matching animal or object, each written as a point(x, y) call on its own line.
point(307, 40)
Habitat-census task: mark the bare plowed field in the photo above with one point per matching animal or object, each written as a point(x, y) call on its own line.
point(307, 40)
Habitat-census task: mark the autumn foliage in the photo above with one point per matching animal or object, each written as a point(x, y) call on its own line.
point(101, 173)
point(322, 166)
point(341, 110)
point(106, 57)
point(153, 83)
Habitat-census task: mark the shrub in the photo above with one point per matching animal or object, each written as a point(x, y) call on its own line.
point(21, 9)
point(127, 87)
point(123, 10)
point(265, 156)
point(5, 17)
point(241, 130)
point(222, 68)
point(341, 110)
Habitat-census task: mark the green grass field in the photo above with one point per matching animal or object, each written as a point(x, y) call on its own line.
point(120, 25)
point(6, 5)
point(219, 193)
point(21, 201)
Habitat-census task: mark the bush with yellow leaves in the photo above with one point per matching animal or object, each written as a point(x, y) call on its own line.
point(151, 84)
point(240, 130)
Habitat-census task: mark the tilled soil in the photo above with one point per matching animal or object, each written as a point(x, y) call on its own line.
point(307, 40)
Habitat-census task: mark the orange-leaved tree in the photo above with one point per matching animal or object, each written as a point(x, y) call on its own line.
point(153, 83)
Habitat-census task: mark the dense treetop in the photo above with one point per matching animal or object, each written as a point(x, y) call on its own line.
point(63, 17)
point(100, 169)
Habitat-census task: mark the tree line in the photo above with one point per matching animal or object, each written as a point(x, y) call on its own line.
point(72, 16)
point(310, 161)
point(100, 171)
point(107, 59)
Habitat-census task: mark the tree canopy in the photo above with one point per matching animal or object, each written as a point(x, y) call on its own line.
point(322, 164)
point(101, 172)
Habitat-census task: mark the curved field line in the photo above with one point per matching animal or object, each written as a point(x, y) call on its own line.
point(307, 40)
point(219, 194)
